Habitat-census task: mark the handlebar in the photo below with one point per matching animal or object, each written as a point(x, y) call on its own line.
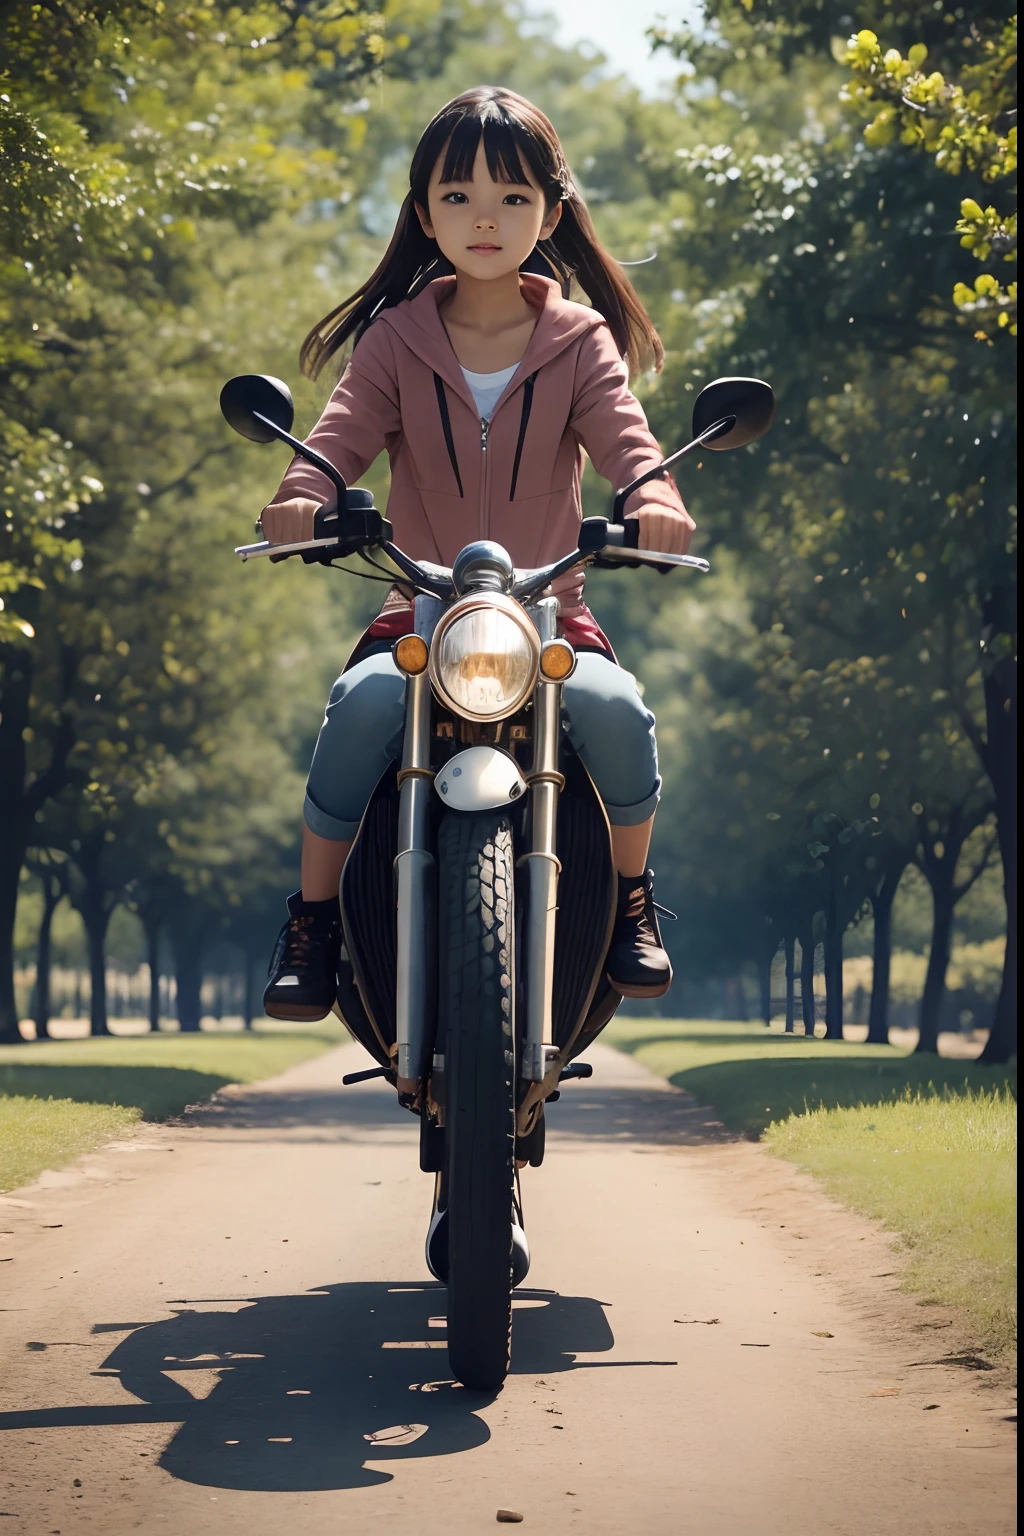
point(601, 542)
point(261, 408)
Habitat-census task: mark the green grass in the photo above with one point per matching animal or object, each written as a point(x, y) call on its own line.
point(926, 1146)
point(49, 1133)
point(59, 1099)
point(942, 1172)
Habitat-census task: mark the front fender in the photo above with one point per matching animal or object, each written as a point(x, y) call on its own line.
point(480, 779)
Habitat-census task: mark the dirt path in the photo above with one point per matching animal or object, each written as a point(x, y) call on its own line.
point(227, 1327)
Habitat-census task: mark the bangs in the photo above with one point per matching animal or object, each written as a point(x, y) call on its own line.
point(500, 148)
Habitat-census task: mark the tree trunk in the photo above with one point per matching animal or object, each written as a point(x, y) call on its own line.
point(1001, 763)
point(96, 917)
point(52, 896)
point(249, 992)
point(186, 942)
point(1002, 1040)
point(152, 930)
point(943, 906)
point(11, 858)
point(764, 977)
point(14, 722)
point(789, 948)
point(833, 967)
point(19, 804)
point(881, 962)
point(807, 981)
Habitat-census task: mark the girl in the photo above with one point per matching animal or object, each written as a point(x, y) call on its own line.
point(483, 383)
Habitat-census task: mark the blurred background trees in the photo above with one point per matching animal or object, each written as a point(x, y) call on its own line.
point(195, 183)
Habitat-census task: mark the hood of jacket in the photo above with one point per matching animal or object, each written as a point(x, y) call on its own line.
point(418, 322)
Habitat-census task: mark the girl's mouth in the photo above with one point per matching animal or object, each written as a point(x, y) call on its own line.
point(484, 249)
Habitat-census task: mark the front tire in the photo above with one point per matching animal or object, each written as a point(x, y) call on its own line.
point(477, 984)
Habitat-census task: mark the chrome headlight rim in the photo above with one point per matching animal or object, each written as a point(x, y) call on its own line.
point(477, 602)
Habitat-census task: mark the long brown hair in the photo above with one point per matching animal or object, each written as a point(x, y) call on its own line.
point(513, 130)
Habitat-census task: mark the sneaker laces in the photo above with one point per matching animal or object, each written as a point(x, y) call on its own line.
point(635, 911)
point(298, 951)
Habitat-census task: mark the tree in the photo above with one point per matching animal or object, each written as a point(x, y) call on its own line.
point(147, 144)
point(884, 884)
point(939, 858)
point(51, 870)
point(875, 524)
point(968, 124)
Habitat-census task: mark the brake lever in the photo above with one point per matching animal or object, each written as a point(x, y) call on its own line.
point(363, 529)
point(281, 551)
point(601, 538)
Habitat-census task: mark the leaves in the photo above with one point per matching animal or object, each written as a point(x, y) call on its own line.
point(966, 124)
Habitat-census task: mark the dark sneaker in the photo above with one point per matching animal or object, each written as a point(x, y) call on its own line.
point(637, 964)
point(303, 981)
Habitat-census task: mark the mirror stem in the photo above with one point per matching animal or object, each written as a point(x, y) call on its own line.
point(310, 454)
point(717, 429)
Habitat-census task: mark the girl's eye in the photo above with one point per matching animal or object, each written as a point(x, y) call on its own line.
point(455, 197)
point(514, 198)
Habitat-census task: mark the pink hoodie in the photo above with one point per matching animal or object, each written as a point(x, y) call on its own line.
point(516, 480)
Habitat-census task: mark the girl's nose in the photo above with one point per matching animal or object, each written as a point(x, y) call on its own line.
point(485, 221)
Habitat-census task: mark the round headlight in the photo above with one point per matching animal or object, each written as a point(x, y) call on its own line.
point(484, 659)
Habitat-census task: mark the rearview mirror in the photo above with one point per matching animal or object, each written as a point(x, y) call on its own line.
point(250, 395)
point(749, 401)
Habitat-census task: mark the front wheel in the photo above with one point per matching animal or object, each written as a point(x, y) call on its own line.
point(477, 985)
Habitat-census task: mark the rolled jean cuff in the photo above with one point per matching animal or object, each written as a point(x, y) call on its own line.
point(331, 827)
point(635, 815)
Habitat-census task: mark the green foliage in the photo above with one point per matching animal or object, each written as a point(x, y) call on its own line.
point(826, 699)
point(964, 125)
point(169, 160)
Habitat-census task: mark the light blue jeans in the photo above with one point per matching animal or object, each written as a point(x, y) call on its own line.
point(603, 714)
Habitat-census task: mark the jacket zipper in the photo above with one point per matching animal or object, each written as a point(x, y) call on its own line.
point(485, 476)
point(485, 466)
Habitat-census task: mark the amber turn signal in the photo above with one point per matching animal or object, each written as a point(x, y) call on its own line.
point(411, 655)
point(557, 660)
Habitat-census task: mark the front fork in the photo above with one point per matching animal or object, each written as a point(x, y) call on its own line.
point(416, 875)
point(416, 869)
point(542, 861)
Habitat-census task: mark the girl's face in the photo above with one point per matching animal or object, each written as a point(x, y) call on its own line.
point(486, 228)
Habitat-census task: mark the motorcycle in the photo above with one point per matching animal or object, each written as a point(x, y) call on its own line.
point(478, 898)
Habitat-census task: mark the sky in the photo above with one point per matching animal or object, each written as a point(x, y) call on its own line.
point(617, 28)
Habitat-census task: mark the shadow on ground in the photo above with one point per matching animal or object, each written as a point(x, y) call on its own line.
point(586, 1110)
point(308, 1389)
point(593, 1113)
point(332, 1108)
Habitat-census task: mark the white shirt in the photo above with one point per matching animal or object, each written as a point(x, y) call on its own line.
point(487, 388)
